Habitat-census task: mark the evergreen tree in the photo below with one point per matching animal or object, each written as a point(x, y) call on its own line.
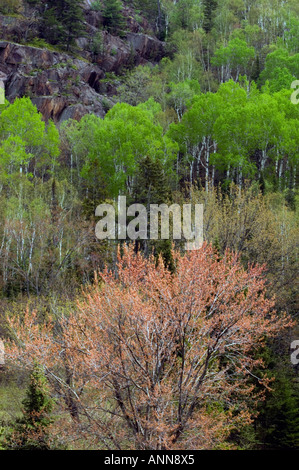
point(72, 20)
point(151, 187)
point(52, 29)
point(113, 18)
point(63, 21)
point(278, 423)
point(209, 8)
point(30, 431)
point(256, 69)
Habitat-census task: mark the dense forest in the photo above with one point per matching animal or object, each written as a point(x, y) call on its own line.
point(142, 345)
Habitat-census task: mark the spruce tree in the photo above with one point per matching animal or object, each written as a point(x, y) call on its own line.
point(151, 187)
point(256, 69)
point(209, 8)
point(278, 422)
point(30, 431)
point(113, 19)
point(52, 29)
point(63, 21)
point(72, 20)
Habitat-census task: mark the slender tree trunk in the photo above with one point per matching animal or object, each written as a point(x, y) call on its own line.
point(207, 167)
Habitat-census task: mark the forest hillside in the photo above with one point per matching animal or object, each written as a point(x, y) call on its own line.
point(133, 341)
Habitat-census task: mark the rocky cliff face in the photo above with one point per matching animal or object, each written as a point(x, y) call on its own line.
point(61, 85)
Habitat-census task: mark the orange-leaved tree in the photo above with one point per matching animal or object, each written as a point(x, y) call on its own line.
point(156, 360)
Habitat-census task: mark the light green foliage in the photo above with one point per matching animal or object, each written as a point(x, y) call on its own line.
point(137, 136)
point(114, 146)
point(40, 234)
point(234, 59)
point(181, 94)
point(281, 69)
point(27, 144)
point(232, 131)
point(225, 17)
point(186, 14)
point(135, 88)
point(241, 132)
point(291, 36)
point(21, 118)
point(185, 64)
point(212, 122)
point(195, 133)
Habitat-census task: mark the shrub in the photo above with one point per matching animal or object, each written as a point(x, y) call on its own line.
point(8, 7)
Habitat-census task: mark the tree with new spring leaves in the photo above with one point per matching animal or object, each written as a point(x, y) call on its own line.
point(233, 59)
point(28, 146)
point(183, 102)
point(154, 360)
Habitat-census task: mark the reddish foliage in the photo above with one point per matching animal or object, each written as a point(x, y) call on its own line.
point(154, 360)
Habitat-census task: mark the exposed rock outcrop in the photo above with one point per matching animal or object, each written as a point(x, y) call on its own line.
point(65, 87)
point(54, 81)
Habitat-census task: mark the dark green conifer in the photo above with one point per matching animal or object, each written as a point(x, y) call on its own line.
point(209, 8)
point(113, 19)
point(63, 22)
point(30, 431)
point(151, 187)
point(278, 423)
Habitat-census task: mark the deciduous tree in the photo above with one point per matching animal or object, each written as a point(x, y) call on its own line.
point(155, 360)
